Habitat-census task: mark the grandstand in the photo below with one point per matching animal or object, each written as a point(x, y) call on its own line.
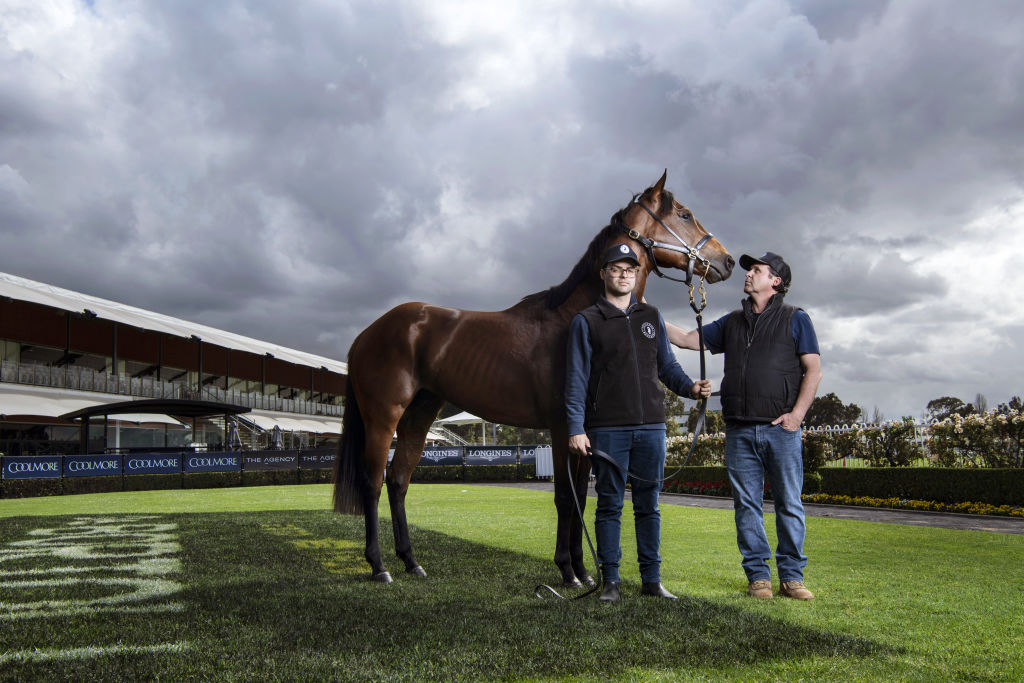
point(72, 365)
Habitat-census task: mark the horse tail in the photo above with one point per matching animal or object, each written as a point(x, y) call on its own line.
point(350, 478)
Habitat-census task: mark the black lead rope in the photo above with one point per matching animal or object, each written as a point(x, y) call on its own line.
point(594, 452)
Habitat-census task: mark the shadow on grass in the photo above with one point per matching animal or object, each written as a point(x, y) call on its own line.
point(286, 595)
point(476, 616)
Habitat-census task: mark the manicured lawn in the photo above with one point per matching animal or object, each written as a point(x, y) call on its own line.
point(265, 582)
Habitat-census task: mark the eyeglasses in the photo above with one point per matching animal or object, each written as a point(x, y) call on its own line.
point(616, 271)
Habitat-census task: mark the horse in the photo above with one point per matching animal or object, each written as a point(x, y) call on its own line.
point(507, 367)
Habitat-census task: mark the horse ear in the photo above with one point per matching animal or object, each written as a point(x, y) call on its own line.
point(660, 185)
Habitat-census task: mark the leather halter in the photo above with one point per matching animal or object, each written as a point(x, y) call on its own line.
point(692, 253)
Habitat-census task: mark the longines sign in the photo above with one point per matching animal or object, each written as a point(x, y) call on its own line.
point(444, 455)
point(490, 455)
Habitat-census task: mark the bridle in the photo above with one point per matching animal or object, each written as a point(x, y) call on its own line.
point(692, 253)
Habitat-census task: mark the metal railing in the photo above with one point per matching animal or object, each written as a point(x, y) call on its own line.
point(87, 379)
point(448, 435)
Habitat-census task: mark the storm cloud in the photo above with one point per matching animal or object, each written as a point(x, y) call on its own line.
point(290, 171)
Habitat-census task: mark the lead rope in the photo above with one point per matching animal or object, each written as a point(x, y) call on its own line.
point(702, 404)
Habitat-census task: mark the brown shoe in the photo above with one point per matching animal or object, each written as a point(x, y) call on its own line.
point(796, 590)
point(760, 589)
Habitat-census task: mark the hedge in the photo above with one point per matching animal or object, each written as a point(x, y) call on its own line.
point(941, 484)
point(474, 473)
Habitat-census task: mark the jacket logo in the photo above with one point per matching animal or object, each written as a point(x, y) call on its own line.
point(648, 330)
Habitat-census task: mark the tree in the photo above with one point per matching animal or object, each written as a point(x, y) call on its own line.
point(1016, 405)
point(676, 410)
point(893, 445)
point(714, 423)
point(981, 404)
point(941, 408)
point(829, 410)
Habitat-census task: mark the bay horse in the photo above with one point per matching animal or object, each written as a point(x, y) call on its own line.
point(507, 367)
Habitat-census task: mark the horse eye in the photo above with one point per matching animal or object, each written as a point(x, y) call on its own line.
point(686, 216)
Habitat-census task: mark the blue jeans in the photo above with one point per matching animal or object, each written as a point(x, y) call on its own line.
point(751, 452)
point(642, 453)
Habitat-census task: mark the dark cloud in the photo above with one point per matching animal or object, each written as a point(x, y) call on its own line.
point(292, 170)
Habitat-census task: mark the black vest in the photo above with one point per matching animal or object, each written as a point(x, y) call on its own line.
point(624, 388)
point(762, 368)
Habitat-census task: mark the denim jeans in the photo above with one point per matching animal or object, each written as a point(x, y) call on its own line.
point(753, 451)
point(642, 453)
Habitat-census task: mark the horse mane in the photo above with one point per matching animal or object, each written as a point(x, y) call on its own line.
point(554, 297)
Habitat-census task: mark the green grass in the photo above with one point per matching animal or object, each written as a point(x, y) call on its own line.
point(273, 586)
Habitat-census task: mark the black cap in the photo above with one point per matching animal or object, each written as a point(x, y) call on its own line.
point(773, 261)
point(619, 252)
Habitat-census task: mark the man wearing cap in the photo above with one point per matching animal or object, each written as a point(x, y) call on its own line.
point(617, 352)
point(772, 370)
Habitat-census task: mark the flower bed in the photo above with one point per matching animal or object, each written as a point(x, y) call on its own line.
point(925, 505)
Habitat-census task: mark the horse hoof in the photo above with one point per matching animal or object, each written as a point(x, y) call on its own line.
point(574, 583)
point(416, 571)
point(382, 577)
point(588, 581)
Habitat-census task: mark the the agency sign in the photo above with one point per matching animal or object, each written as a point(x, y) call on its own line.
point(317, 460)
point(270, 460)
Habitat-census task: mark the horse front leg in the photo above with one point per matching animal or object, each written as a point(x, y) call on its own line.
point(412, 436)
point(399, 524)
point(569, 537)
point(581, 478)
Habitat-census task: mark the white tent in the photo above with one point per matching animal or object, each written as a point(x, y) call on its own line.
point(465, 418)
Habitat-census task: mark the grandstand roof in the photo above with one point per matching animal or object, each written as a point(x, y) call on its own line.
point(48, 295)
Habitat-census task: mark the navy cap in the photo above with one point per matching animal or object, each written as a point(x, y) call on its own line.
point(773, 261)
point(619, 252)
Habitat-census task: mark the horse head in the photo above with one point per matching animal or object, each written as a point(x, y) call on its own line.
point(670, 236)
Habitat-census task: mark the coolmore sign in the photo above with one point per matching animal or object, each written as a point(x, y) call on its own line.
point(444, 455)
point(213, 462)
point(270, 460)
point(31, 466)
point(153, 463)
point(316, 460)
point(490, 455)
point(91, 465)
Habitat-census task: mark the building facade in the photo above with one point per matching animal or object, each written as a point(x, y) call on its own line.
point(61, 351)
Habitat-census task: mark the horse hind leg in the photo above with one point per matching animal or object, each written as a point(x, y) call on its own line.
point(376, 441)
point(412, 435)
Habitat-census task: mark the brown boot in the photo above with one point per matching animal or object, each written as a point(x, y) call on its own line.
point(796, 590)
point(760, 589)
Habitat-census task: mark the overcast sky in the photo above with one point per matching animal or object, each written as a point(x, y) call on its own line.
point(292, 170)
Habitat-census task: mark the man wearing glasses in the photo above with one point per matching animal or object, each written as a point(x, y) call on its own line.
point(618, 350)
